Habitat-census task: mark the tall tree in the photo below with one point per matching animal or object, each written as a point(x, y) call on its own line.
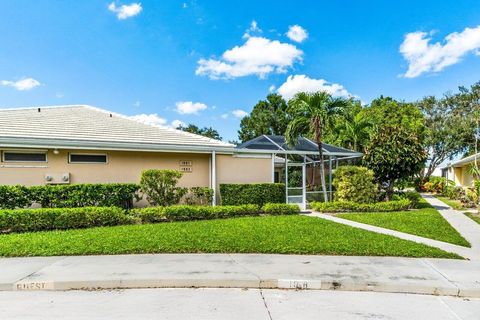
point(208, 132)
point(448, 132)
point(388, 111)
point(470, 99)
point(311, 114)
point(267, 117)
point(394, 152)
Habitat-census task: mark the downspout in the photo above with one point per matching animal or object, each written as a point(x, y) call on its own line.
point(214, 178)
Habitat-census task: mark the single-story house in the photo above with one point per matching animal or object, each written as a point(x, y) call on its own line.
point(84, 144)
point(459, 171)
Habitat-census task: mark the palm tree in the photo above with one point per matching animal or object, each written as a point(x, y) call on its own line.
point(311, 114)
point(354, 131)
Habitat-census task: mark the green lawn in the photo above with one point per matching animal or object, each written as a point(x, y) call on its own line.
point(425, 222)
point(474, 216)
point(455, 204)
point(271, 234)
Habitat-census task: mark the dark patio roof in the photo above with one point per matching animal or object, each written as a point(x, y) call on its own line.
point(304, 145)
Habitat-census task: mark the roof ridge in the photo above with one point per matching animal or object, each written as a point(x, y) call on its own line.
point(46, 107)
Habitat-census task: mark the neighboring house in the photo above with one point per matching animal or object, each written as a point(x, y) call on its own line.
point(459, 171)
point(83, 144)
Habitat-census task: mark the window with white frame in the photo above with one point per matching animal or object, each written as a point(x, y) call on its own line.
point(87, 158)
point(24, 156)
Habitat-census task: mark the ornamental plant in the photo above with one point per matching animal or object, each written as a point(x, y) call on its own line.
point(160, 187)
point(354, 184)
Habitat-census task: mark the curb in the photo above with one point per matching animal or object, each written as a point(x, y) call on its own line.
point(286, 284)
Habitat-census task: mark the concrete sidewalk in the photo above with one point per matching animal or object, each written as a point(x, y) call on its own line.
point(379, 274)
point(468, 228)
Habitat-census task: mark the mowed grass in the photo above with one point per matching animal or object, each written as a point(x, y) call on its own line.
point(454, 204)
point(270, 234)
point(474, 216)
point(425, 222)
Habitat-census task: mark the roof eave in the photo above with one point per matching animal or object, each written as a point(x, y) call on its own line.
point(106, 145)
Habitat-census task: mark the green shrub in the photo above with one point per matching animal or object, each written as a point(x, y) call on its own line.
point(413, 196)
point(160, 186)
point(433, 184)
point(256, 193)
point(280, 208)
point(347, 206)
point(85, 195)
point(199, 196)
point(149, 215)
point(24, 220)
point(187, 213)
point(69, 196)
point(12, 197)
point(353, 183)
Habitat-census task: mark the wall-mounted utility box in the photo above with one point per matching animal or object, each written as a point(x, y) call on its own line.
point(57, 178)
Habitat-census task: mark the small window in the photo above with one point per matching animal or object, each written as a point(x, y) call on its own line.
point(88, 158)
point(17, 156)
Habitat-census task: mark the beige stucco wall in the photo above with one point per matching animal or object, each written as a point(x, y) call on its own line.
point(467, 179)
point(125, 167)
point(458, 176)
point(121, 167)
point(233, 169)
point(461, 177)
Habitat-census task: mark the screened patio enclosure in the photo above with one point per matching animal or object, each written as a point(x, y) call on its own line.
point(299, 166)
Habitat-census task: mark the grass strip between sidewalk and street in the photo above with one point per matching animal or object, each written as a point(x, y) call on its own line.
point(425, 222)
point(269, 234)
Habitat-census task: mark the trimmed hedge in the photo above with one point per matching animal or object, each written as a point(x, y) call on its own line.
point(347, 206)
point(280, 208)
point(186, 213)
point(69, 196)
point(24, 220)
point(255, 193)
point(12, 197)
point(149, 214)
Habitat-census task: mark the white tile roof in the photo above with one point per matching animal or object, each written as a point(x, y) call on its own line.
point(85, 126)
point(464, 161)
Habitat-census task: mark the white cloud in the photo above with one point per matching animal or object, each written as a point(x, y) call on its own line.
point(253, 28)
point(184, 5)
point(271, 88)
point(21, 85)
point(302, 83)
point(424, 57)
point(125, 11)
point(224, 116)
point(177, 123)
point(155, 120)
point(257, 56)
point(297, 33)
point(151, 119)
point(189, 107)
point(239, 113)
point(137, 104)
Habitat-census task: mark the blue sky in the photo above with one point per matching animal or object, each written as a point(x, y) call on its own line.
point(208, 62)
